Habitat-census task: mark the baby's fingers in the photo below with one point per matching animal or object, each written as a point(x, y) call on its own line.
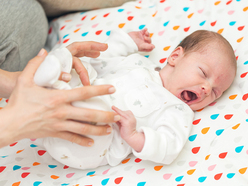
point(144, 31)
point(118, 111)
point(147, 47)
point(147, 34)
point(124, 114)
point(147, 39)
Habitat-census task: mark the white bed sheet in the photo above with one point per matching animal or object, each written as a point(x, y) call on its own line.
point(216, 152)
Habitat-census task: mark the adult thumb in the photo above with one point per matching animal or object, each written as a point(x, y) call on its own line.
point(34, 64)
point(42, 52)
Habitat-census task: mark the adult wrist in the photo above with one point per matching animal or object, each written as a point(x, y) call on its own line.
point(7, 82)
point(6, 136)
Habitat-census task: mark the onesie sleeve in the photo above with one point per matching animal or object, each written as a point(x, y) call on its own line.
point(119, 44)
point(165, 140)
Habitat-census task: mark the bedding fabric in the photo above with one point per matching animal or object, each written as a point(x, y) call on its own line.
point(216, 152)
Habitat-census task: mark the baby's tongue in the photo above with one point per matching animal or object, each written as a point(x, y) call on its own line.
point(186, 95)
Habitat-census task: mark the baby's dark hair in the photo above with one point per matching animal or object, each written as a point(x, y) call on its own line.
point(198, 40)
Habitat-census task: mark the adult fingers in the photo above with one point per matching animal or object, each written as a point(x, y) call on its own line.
point(147, 47)
point(91, 115)
point(75, 138)
point(33, 65)
point(92, 54)
point(81, 71)
point(79, 48)
point(84, 128)
point(64, 76)
point(87, 92)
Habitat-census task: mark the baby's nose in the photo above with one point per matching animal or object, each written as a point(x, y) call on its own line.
point(206, 88)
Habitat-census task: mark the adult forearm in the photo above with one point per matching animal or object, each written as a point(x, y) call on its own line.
point(7, 82)
point(7, 136)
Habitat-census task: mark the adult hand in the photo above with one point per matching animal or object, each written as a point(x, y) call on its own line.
point(78, 49)
point(37, 112)
point(81, 49)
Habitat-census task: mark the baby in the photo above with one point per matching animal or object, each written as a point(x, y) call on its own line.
point(156, 106)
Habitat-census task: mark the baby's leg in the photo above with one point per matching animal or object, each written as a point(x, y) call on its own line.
point(57, 61)
point(77, 156)
point(69, 153)
point(64, 151)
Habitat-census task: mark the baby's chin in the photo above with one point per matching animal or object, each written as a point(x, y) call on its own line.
point(196, 107)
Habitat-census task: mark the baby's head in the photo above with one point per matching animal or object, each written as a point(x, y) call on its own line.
point(200, 69)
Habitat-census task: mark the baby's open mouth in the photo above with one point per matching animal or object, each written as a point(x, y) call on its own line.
point(188, 96)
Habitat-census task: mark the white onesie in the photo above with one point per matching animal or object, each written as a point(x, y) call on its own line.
point(164, 119)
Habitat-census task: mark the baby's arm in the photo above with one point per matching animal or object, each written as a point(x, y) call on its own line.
point(142, 40)
point(127, 126)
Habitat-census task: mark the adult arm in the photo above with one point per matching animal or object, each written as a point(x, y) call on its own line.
point(7, 82)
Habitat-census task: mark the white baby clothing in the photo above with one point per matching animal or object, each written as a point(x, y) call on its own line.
point(164, 119)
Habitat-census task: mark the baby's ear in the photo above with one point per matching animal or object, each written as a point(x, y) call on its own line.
point(172, 59)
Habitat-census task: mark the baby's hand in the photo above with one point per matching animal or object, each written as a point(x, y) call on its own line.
point(127, 126)
point(127, 123)
point(142, 40)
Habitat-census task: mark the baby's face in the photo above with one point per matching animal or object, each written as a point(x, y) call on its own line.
point(197, 78)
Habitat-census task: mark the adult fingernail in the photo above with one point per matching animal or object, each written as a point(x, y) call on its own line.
point(41, 52)
point(66, 77)
point(117, 117)
point(111, 90)
point(90, 143)
point(109, 129)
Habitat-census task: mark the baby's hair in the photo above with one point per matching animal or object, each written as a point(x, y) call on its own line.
point(198, 40)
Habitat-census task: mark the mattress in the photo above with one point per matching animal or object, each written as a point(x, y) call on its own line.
point(216, 152)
